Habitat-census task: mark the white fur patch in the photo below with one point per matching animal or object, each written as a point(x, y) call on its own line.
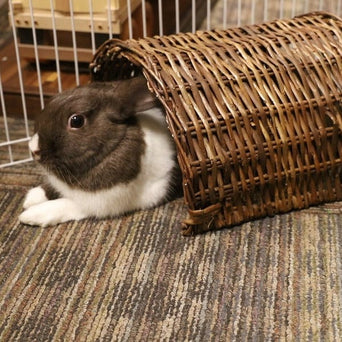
point(51, 212)
point(34, 196)
point(34, 143)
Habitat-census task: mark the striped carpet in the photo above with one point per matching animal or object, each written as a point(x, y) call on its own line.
point(135, 278)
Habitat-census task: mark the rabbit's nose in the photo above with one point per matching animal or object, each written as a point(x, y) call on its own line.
point(34, 145)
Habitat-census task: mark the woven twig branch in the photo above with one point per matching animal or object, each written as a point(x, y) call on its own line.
point(255, 113)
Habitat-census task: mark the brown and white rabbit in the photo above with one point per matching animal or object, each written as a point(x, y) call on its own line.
point(106, 151)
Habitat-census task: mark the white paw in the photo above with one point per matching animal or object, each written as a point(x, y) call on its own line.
point(51, 212)
point(34, 196)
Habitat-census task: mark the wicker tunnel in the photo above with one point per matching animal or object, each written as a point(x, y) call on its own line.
point(255, 112)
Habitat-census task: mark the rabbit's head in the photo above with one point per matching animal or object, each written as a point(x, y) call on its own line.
point(92, 131)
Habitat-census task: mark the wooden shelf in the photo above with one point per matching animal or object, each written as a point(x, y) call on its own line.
point(49, 79)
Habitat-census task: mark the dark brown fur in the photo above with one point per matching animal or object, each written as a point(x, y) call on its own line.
point(110, 143)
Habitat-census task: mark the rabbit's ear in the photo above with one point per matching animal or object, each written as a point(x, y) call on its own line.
point(132, 95)
point(139, 95)
point(125, 98)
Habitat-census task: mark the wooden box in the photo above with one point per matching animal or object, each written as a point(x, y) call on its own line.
point(81, 21)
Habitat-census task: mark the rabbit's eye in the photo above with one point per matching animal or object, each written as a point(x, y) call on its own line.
point(76, 121)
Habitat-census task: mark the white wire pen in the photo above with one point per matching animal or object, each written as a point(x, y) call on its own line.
point(320, 5)
point(281, 9)
point(36, 55)
point(160, 17)
point(293, 8)
point(208, 14)
point(239, 9)
point(224, 19)
point(129, 19)
point(92, 31)
point(16, 162)
point(306, 6)
point(55, 44)
point(74, 44)
point(193, 16)
point(8, 141)
point(265, 10)
point(109, 18)
point(15, 141)
point(253, 12)
point(143, 13)
point(20, 76)
point(7, 133)
point(177, 16)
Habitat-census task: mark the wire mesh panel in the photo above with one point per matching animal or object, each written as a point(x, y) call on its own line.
point(46, 45)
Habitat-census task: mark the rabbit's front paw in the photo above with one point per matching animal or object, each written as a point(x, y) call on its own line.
point(34, 196)
point(51, 212)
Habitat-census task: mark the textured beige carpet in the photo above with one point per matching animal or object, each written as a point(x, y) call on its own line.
point(135, 278)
